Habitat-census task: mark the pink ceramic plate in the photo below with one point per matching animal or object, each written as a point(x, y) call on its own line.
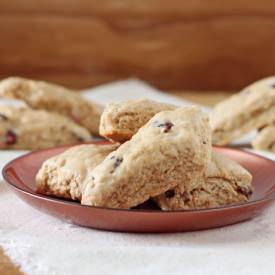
point(20, 175)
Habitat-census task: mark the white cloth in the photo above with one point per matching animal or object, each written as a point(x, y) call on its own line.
point(41, 244)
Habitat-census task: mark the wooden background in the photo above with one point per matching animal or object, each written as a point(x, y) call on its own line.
point(175, 44)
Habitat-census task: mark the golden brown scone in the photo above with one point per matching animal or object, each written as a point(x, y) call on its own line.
point(121, 120)
point(172, 147)
point(51, 97)
point(24, 128)
point(224, 182)
point(250, 109)
point(65, 175)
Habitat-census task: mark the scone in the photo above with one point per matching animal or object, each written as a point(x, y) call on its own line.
point(24, 128)
point(51, 97)
point(250, 109)
point(121, 120)
point(224, 182)
point(265, 140)
point(65, 175)
point(172, 147)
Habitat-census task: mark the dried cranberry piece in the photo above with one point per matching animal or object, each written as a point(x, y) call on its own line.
point(11, 137)
point(167, 126)
point(169, 194)
point(117, 162)
point(75, 118)
point(244, 190)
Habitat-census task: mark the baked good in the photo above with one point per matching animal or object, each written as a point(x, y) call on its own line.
point(265, 140)
point(24, 128)
point(223, 182)
point(65, 174)
point(121, 120)
point(250, 109)
point(51, 97)
point(170, 148)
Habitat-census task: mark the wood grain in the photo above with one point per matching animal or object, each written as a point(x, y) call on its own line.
point(200, 45)
point(152, 8)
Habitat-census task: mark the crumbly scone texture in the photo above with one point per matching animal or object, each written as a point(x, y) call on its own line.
point(121, 120)
point(65, 174)
point(171, 147)
point(24, 128)
point(265, 140)
point(250, 109)
point(54, 98)
point(224, 182)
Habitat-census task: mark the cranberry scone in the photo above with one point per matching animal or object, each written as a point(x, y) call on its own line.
point(54, 98)
point(170, 148)
point(24, 128)
point(65, 174)
point(265, 140)
point(250, 109)
point(224, 182)
point(121, 120)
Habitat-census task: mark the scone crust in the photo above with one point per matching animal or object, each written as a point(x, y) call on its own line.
point(224, 182)
point(265, 140)
point(24, 128)
point(250, 109)
point(171, 147)
point(54, 98)
point(65, 174)
point(121, 120)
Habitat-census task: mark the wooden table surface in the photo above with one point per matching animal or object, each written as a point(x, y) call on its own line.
point(205, 98)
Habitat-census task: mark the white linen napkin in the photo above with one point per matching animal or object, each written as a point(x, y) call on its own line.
point(41, 244)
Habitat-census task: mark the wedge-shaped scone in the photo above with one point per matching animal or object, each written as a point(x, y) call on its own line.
point(24, 128)
point(121, 120)
point(224, 182)
point(172, 147)
point(251, 109)
point(65, 175)
point(265, 140)
point(51, 97)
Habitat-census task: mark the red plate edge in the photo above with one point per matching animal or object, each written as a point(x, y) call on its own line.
point(143, 220)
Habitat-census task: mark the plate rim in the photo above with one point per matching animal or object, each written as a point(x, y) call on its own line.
point(57, 200)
